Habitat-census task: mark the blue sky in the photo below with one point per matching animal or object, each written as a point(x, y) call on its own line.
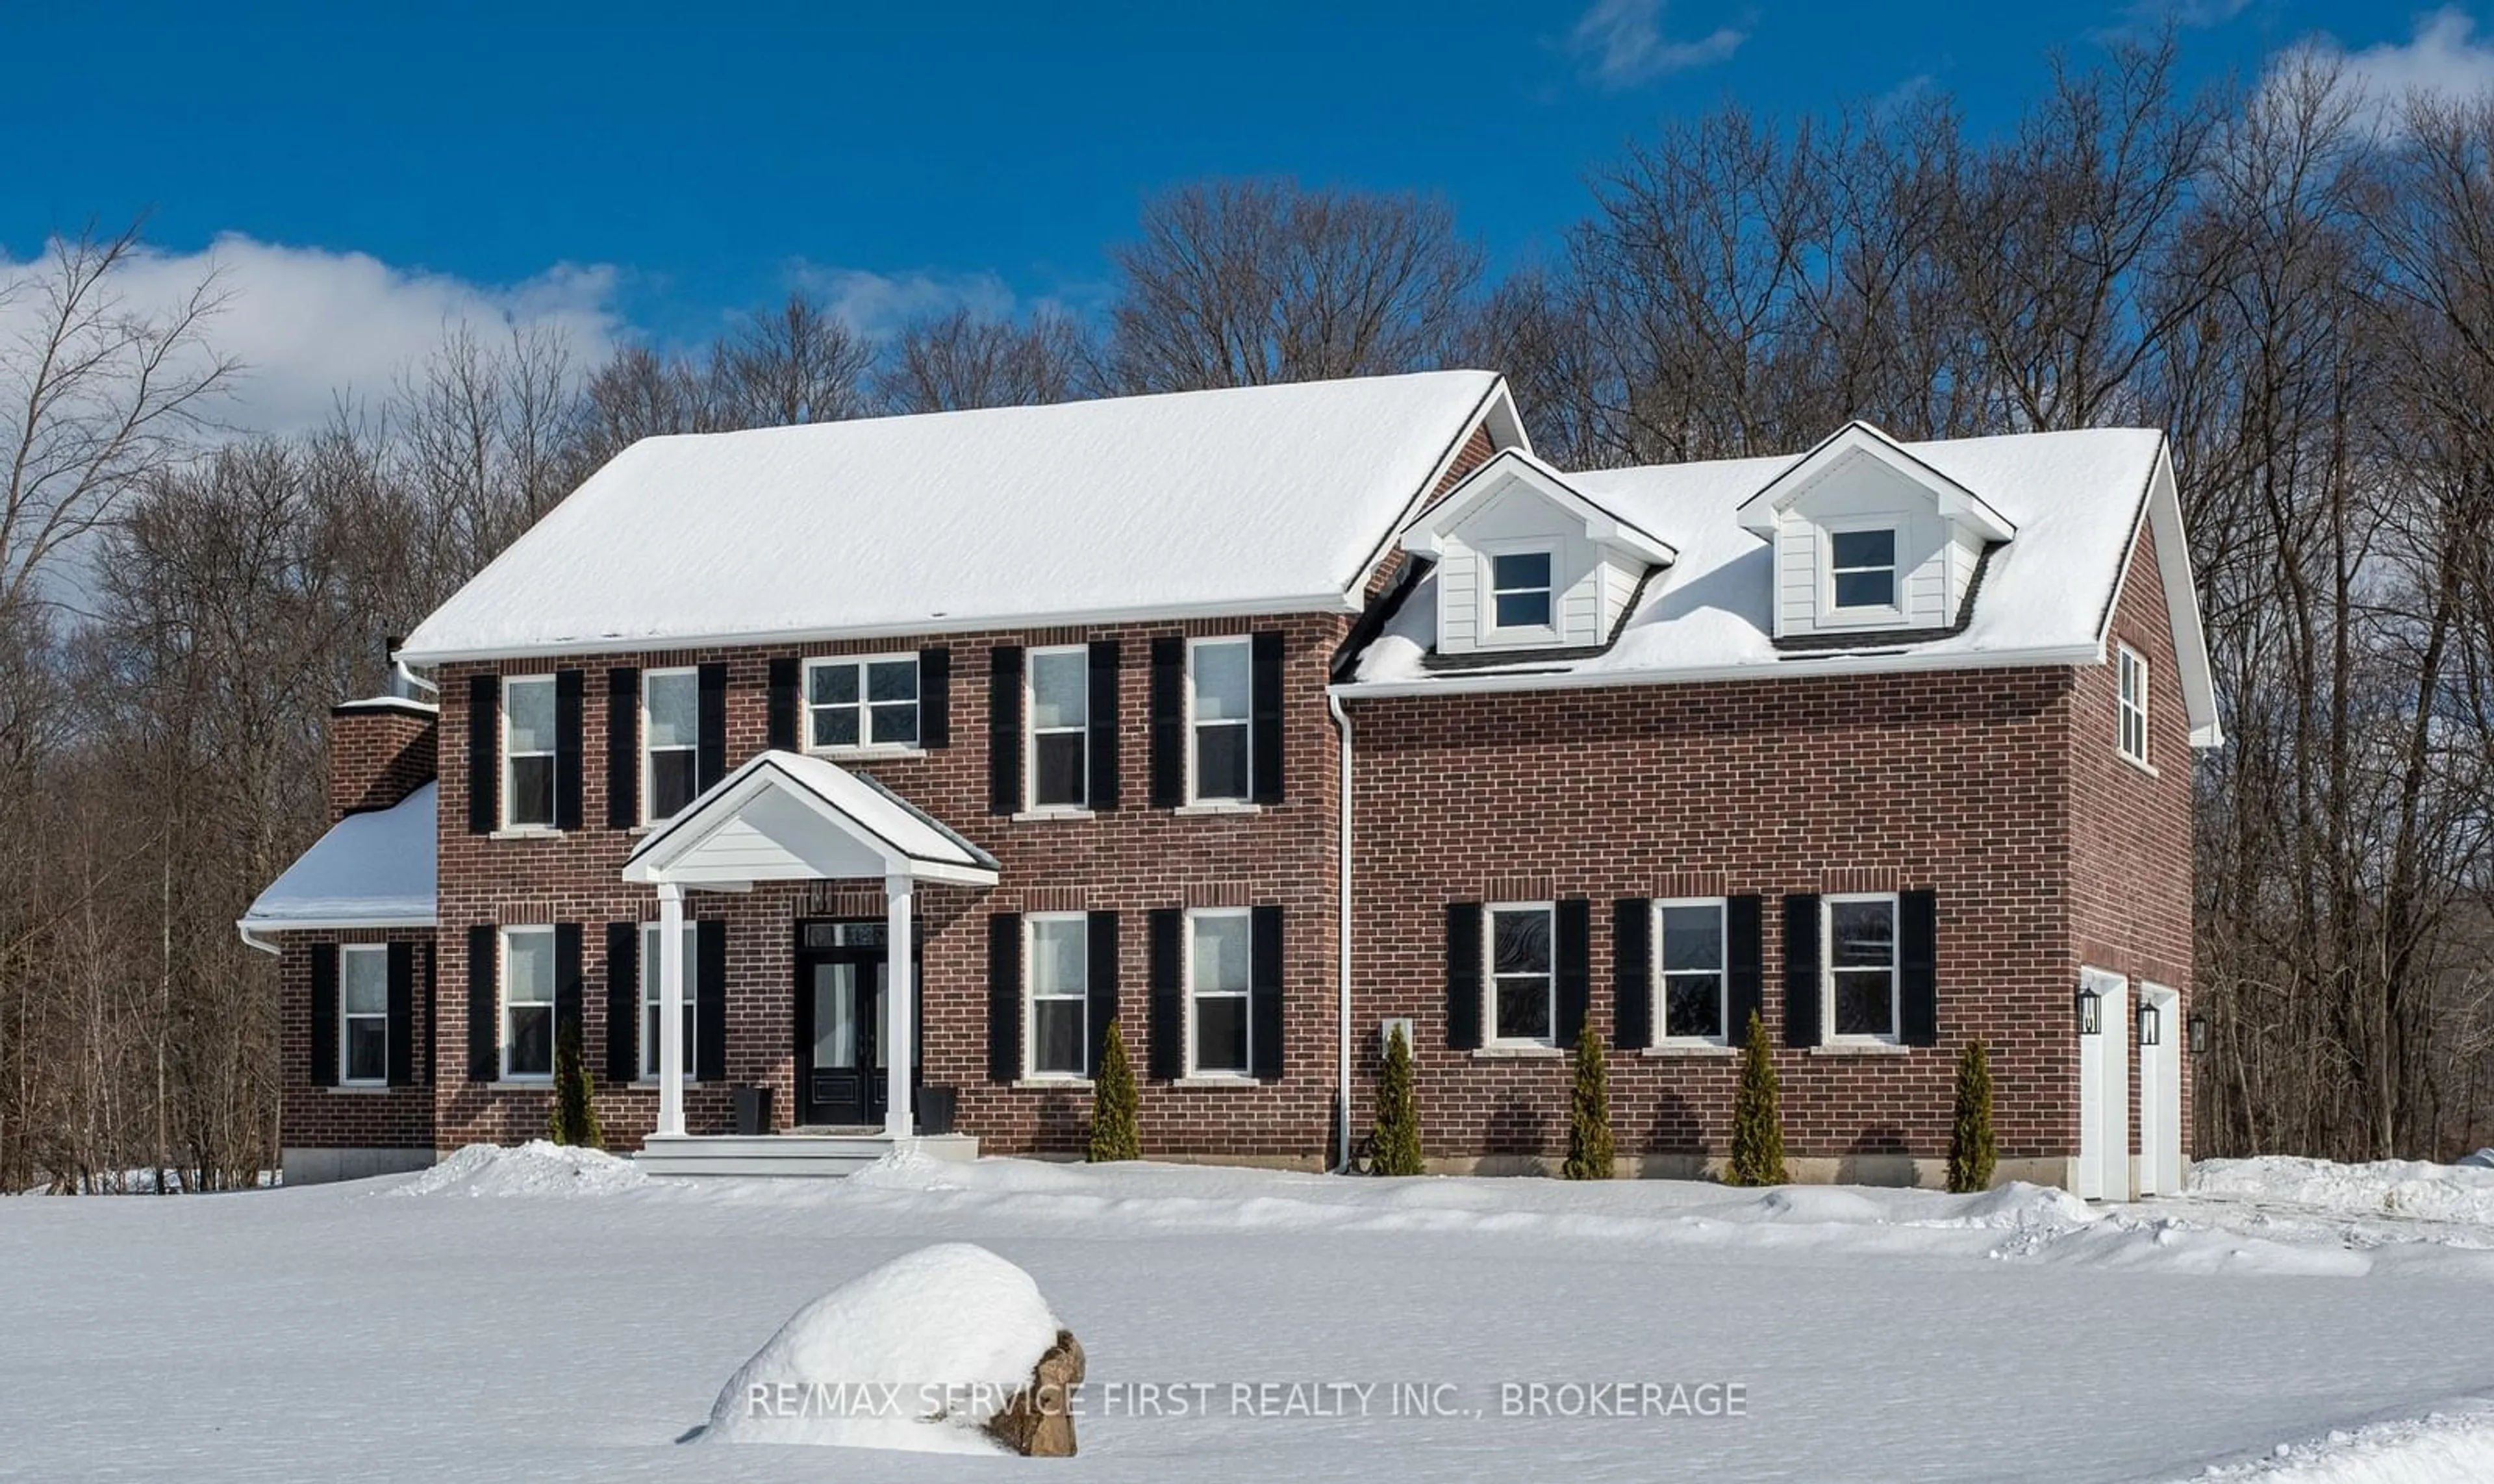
point(638, 169)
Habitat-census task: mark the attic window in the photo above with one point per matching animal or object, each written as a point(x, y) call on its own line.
point(1519, 585)
point(1863, 567)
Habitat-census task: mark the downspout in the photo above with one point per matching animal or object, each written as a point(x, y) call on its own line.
point(1342, 930)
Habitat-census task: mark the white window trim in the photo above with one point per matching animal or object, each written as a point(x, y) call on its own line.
point(1031, 732)
point(648, 800)
point(1246, 725)
point(503, 1002)
point(652, 992)
point(1030, 1000)
point(346, 952)
point(1872, 616)
point(2125, 660)
point(1489, 632)
point(1659, 996)
point(1491, 1040)
point(1245, 996)
point(863, 746)
point(1828, 1035)
point(511, 826)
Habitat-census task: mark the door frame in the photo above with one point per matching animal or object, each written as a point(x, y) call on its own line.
point(2103, 1171)
point(801, 961)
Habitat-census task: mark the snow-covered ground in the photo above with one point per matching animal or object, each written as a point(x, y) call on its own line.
point(541, 1316)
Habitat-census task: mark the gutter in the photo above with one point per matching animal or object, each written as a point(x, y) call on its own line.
point(1342, 931)
point(261, 944)
point(1837, 662)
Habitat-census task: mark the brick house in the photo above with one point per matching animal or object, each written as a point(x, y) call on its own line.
point(1256, 721)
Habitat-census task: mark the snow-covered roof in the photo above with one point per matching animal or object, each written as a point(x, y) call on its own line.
point(1252, 500)
point(2076, 499)
point(371, 870)
point(784, 805)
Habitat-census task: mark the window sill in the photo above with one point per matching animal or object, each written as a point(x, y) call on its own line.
point(531, 1080)
point(1215, 806)
point(1053, 1084)
point(867, 754)
point(2143, 765)
point(362, 1089)
point(1216, 1079)
point(1702, 1053)
point(1860, 1048)
point(527, 833)
point(1521, 1053)
point(1053, 812)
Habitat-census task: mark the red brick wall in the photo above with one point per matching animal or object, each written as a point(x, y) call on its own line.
point(1950, 781)
point(2129, 841)
point(378, 756)
point(349, 1117)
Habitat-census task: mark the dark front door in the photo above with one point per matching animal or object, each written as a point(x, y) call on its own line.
point(841, 1018)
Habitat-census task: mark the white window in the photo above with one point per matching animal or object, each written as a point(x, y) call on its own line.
point(652, 999)
point(1219, 955)
point(1523, 982)
point(1859, 985)
point(2134, 705)
point(1520, 591)
point(670, 740)
point(1061, 721)
point(528, 1002)
point(867, 701)
point(1688, 1002)
point(528, 753)
point(1059, 979)
point(363, 1015)
point(1220, 686)
point(1861, 569)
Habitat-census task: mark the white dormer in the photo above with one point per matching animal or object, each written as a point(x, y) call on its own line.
point(1527, 562)
point(1869, 538)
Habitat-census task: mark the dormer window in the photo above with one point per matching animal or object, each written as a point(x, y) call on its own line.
point(1520, 591)
point(1863, 565)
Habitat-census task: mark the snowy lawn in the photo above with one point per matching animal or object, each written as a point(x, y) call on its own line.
point(528, 1316)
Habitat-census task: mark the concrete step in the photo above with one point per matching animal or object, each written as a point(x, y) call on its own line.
point(825, 1156)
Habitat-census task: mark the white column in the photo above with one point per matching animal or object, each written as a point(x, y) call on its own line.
point(671, 1009)
point(899, 984)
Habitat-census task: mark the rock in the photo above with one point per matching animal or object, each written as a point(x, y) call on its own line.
point(1038, 1421)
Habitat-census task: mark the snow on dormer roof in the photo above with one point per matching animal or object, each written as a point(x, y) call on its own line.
point(1860, 440)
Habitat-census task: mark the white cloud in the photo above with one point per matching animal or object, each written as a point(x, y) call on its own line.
point(310, 325)
point(877, 305)
point(1622, 43)
point(2444, 56)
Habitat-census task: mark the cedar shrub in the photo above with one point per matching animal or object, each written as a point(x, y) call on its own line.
point(1757, 1125)
point(1972, 1151)
point(1398, 1120)
point(574, 1119)
point(1113, 1103)
point(1589, 1115)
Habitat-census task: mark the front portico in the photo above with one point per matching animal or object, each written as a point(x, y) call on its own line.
point(784, 816)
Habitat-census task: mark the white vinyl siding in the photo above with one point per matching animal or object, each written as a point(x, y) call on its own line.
point(1589, 589)
point(1934, 559)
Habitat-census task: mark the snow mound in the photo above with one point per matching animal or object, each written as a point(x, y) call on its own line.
point(2439, 1448)
point(534, 1168)
point(907, 1170)
point(2406, 1188)
point(2016, 1207)
point(914, 1355)
point(1832, 1204)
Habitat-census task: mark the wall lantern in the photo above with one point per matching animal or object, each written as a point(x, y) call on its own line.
point(2199, 1034)
point(2152, 1025)
point(2090, 1010)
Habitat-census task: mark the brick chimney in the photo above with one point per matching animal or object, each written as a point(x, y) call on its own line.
point(380, 751)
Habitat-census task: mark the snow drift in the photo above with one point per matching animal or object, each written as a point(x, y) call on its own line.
point(537, 1167)
point(916, 1354)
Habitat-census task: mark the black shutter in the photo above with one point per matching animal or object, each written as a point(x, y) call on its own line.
point(325, 1014)
point(1632, 973)
point(402, 1015)
point(484, 1037)
point(709, 1015)
point(1264, 992)
point(1101, 747)
point(1101, 971)
point(1575, 967)
point(1463, 976)
point(567, 988)
point(1169, 722)
point(567, 689)
point(710, 749)
point(935, 697)
point(1801, 971)
point(1264, 717)
point(1744, 964)
point(1004, 997)
point(623, 747)
point(1004, 747)
point(1166, 940)
point(484, 753)
point(622, 1002)
point(1918, 932)
point(785, 671)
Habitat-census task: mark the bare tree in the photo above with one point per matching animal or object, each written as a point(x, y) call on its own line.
point(1242, 284)
point(963, 360)
point(797, 364)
